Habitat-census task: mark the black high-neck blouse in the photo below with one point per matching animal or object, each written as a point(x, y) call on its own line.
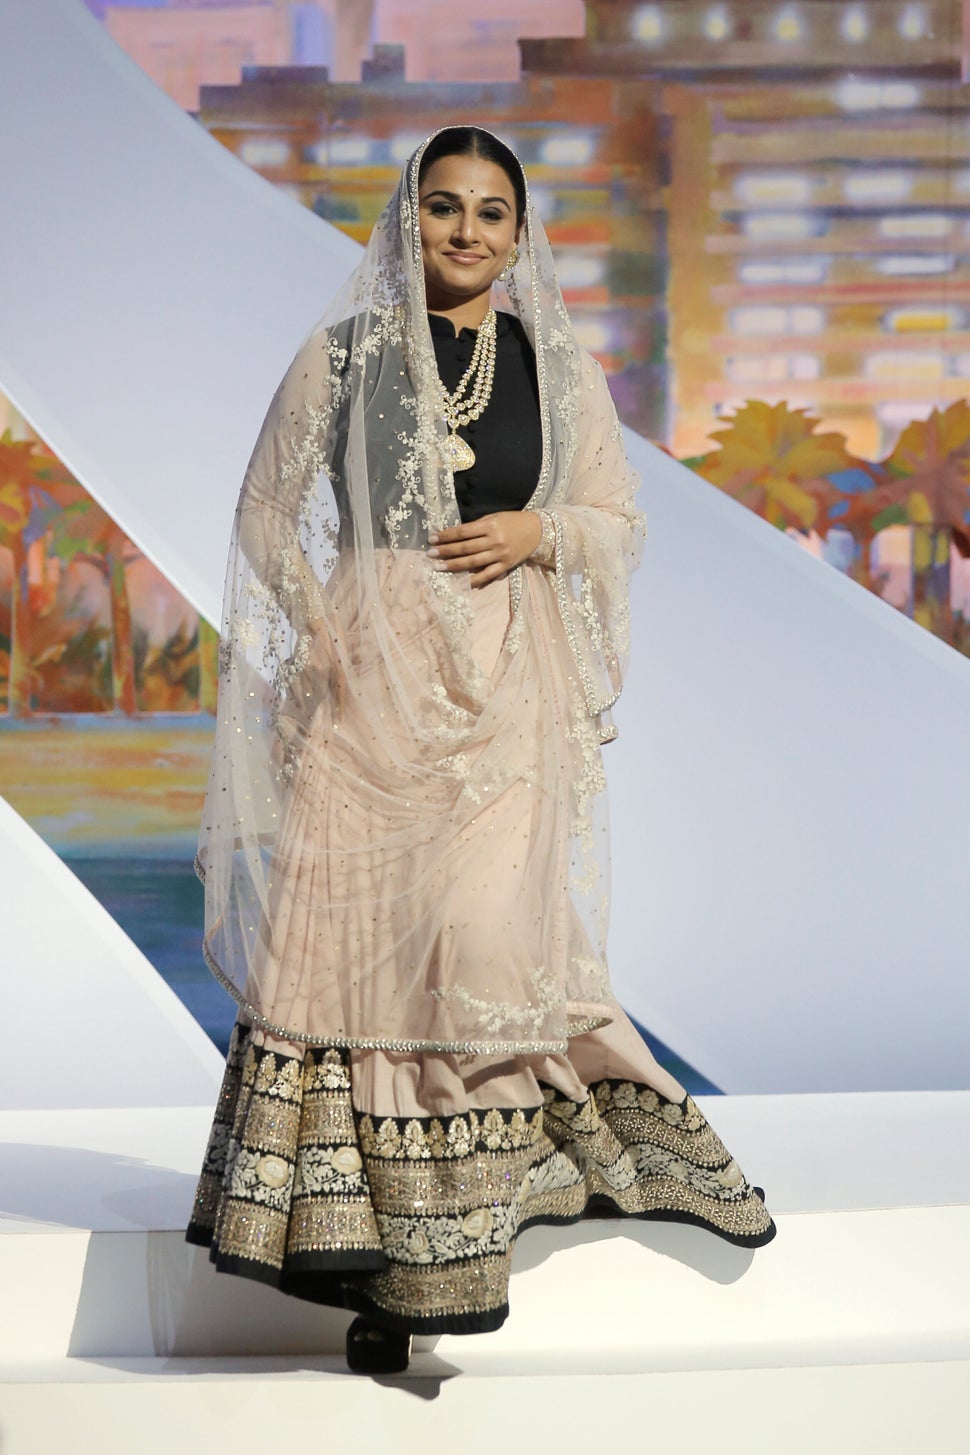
point(507, 436)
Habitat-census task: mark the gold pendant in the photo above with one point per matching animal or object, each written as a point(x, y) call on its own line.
point(459, 453)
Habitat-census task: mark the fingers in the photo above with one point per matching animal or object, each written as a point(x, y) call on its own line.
point(460, 549)
point(467, 545)
point(474, 561)
point(467, 530)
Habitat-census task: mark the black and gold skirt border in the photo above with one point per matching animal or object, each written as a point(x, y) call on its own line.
point(414, 1219)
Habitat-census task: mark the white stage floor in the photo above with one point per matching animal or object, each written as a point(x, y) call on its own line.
point(859, 1311)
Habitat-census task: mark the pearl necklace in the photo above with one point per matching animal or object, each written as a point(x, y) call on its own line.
point(477, 378)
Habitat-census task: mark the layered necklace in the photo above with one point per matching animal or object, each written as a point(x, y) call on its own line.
point(472, 395)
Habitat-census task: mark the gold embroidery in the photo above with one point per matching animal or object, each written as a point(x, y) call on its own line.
point(449, 1188)
point(337, 1227)
point(421, 1214)
point(425, 1294)
point(257, 1236)
point(448, 1137)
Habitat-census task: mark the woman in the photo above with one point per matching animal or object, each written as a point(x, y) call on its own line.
point(404, 845)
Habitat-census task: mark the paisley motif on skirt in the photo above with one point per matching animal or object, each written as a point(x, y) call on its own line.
point(415, 1218)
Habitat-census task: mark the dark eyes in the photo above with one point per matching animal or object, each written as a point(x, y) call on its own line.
point(446, 209)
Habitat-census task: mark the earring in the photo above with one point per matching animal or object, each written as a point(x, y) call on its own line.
point(510, 262)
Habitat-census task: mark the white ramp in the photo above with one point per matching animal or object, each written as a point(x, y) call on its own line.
point(90, 1022)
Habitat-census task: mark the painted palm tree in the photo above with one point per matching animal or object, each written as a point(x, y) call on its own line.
point(208, 666)
point(83, 531)
point(931, 462)
point(770, 458)
point(29, 476)
point(924, 484)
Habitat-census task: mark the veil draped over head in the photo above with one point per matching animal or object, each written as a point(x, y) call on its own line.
point(404, 841)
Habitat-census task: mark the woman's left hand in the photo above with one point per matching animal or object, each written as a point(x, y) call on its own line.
point(489, 547)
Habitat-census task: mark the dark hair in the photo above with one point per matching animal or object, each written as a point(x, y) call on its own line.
point(471, 141)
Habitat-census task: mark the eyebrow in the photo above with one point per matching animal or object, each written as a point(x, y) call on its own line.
point(454, 197)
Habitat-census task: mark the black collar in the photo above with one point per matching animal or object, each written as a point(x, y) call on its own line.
point(442, 327)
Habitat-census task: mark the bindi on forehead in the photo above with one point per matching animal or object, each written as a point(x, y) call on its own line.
point(456, 197)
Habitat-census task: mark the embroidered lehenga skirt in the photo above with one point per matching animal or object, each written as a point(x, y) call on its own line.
point(396, 1183)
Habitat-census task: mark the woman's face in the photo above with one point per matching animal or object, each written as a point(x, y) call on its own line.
point(466, 209)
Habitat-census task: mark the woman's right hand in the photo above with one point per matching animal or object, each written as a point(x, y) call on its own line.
point(489, 547)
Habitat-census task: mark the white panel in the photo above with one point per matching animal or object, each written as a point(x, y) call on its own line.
point(89, 1022)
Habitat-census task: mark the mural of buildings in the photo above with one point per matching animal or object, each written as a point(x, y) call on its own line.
point(817, 252)
point(818, 202)
point(444, 42)
point(185, 44)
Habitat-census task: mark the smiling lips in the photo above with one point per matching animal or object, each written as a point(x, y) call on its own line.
point(465, 258)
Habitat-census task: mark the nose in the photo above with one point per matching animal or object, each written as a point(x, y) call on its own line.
point(465, 227)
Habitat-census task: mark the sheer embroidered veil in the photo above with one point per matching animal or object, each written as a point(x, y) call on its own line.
point(399, 848)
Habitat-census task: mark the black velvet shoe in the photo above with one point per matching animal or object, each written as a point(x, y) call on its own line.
point(372, 1349)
